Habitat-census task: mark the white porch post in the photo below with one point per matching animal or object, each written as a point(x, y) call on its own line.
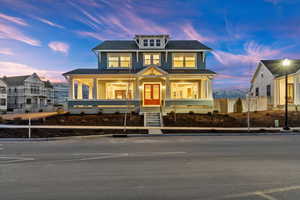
point(79, 90)
point(95, 88)
point(296, 90)
point(209, 89)
point(137, 89)
point(275, 93)
point(91, 89)
point(168, 89)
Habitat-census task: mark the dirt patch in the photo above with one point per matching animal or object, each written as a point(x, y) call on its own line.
point(48, 133)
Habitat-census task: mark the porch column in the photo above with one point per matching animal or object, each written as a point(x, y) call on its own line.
point(91, 89)
point(94, 88)
point(209, 89)
point(71, 89)
point(168, 89)
point(79, 90)
point(296, 90)
point(275, 93)
point(137, 89)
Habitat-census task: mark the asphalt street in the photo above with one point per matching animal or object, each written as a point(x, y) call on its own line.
point(176, 167)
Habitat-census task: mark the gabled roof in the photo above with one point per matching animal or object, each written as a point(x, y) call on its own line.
point(152, 70)
point(131, 45)
point(15, 80)
point(277, 69)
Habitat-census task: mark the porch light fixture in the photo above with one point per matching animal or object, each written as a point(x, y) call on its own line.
point(286, 63)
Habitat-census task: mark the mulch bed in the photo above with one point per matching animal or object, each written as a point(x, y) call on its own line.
point(49, 133)
point(257, 119)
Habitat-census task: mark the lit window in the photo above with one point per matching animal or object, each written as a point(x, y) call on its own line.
point(151, 59)
point(145, 43)
point(184, 90)
point(119, 60)
point(158, 43)
point(184, 60)
point(118, 90)
point(151, 43)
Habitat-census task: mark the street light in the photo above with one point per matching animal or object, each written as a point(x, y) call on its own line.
point(286, 62)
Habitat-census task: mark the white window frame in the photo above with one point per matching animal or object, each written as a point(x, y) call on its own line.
point(184, 62)
point(119, 60)
point(151, 58)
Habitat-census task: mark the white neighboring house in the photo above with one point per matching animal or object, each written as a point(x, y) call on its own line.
point(3, 96)
point(269, 81)
point(29, 94)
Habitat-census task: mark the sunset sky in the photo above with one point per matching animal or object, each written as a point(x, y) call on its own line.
point(51, 37)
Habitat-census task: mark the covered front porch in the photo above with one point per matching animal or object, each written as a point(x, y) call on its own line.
point(151, 88)
point(293, 90)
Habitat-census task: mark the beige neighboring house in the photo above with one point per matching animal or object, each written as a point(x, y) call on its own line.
point(269, 81)
point(29, 94)
point(3, 96)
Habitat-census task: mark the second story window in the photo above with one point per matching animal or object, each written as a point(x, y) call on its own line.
point(145, 43)
point(2, 90)
point(268, 90)
point(119, 60)
point(151, 59)
point(184, 60)
point(151, 43)
point(158, 43)
point(257, 91)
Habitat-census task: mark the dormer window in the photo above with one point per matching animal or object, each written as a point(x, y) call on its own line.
point(151, 43)
point(158, 43)
point(145, 42)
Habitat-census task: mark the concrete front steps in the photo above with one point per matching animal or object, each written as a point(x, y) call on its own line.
point(153, 119)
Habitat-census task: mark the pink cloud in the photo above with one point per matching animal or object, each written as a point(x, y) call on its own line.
point(191, 33)
point(45, 21)
point(17, 69)
point(91, 34)
point(6, 52)
point(59, 47)
point(15, 20)
point(9, 32)
point(253, 53)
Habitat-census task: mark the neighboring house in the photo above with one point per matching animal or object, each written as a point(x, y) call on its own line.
point(29, 94)
point(3, 96)
point(269, 81)
point(61, 94)
point(148, 74)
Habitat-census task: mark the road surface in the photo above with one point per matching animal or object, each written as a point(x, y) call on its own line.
point(177, 167)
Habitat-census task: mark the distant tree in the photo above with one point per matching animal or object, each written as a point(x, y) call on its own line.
point(238, 107)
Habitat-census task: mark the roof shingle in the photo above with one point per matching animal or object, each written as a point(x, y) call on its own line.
point(277, 69)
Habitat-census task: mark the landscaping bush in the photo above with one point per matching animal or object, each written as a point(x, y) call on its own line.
point(191, 113)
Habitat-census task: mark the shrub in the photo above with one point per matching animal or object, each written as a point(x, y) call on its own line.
point(215, 112)
point(171, 113)
point(1, 120)
point(209, 114)
point(191, 113)
point(26, 111)
point(40, 110)
point(82, 113)
point(117, 112)
point(99, 112)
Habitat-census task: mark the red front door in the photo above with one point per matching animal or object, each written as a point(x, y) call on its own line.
point(151, 94)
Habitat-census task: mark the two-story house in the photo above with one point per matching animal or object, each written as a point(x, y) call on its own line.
point(3, 96)
point(150, 73)
point(29, 93)
point(269, 81)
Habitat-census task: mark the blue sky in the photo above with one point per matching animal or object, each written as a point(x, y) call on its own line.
point(54, 36)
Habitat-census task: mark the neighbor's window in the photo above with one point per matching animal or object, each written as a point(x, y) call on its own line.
point(268, 90)
point(184, 90)
point(2, 90)
point(118, 90)
point(119, 60)
point(151, 59)
point(2, 102)
point(184, 60)
point(257, 91)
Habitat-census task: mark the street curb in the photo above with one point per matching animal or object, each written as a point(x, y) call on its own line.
point(53, 138)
